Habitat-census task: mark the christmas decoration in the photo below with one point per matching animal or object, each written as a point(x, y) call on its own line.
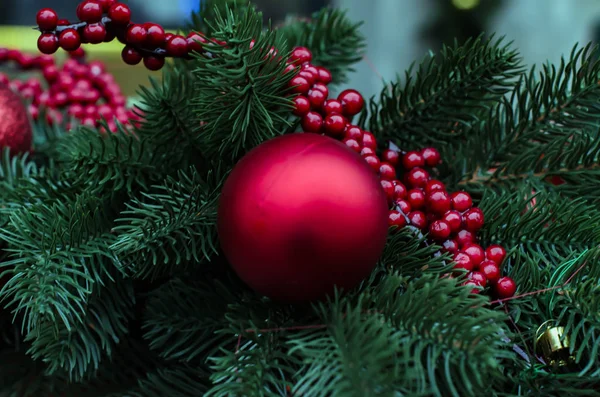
point(554, 346)
point(76, 93)
point(15, 128)
point(301, 214)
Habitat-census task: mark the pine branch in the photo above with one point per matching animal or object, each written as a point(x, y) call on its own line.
point(183, 320)
point(182, 381)
point(243, 90)
point(106, 163)
point(174, 224)
point(428, 337)
point(80, 349)
point(335, 42)
point(58, 256)
point(447, 96)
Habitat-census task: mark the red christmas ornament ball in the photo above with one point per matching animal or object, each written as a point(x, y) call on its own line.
point(15, 129)
point(301, 214)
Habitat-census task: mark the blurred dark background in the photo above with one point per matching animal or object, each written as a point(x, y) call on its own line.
point(398, 32)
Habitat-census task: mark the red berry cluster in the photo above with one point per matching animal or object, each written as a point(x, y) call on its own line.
point(103, 21)
point(79, 92)
point(419, 201)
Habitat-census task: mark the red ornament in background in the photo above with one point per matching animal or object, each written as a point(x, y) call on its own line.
point(301, 214)
point(15, 129)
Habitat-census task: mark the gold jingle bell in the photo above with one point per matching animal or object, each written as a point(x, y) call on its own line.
point(554, 347)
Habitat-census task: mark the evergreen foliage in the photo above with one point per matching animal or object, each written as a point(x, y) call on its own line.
point(115, 285)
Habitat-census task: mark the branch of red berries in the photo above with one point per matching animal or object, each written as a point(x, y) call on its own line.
point(81, 92)
point(418, 201)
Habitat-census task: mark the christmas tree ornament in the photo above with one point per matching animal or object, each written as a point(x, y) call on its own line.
point(554, 347)
point(300, 214)
point(15, 127)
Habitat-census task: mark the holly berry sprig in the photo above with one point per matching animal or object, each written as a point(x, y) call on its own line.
point(102, 21)
point(449, 219)
point(76, 92)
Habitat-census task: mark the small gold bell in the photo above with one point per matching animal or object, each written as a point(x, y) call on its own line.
point(554, 347)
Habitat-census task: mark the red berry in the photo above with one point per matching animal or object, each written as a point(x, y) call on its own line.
point(352, 102)
point(106, 4)
point(299, 85)
point(352, 144)
point(450, 246)
point(417, 177)
point(75, 110)
point(478, 278)
point(69, 40)
point(89, 11)
point(473, 219)
point(77, 54)
point(312, 69)
point(353, 132)
point(34, 111)
point(335, 125)
point(324, 75)
point(434, 185)
point(369, 140)
point(301, 105)
point(464, 237)
point(47, 19)
point(461, 201)
point(490, 270)
point(387, 171)
point(463, 261)
point(194, 41)
point(439, 230)
point(412, 160)
point(439, 202)
point(94, 33)
point(321, 87)
point(391, 156)
point(332, 106)
point(388, 188)
point(317, 99)
point(47, 43)
point(300, 55)
point(396, 219)
point(136, 35)
point(311, 78)
point(131, 56)
point(418, 219)
point(495, 253)
point(400, 191)
point(176, 46)
point(475, 252)
point(373, 161)
point(416, 198)
point(312, 122)
point(402, 205)
point(454, 219)
point(120, 14)
point(154, 63)
point(505, 288)
point(155, 35)
point(365, 151)
point(431, 156)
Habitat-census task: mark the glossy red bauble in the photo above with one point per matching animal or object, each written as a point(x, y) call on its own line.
point(283, 218)
point(15, 130)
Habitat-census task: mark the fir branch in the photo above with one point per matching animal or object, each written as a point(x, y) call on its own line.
point(80, 349)
point(181, 381)
point(447, 96)
point(430, 337)
point(243, 90)
point(106, 162)
point(183, 320)
point(58, 254)
point(335, 41)
point(174, 224)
